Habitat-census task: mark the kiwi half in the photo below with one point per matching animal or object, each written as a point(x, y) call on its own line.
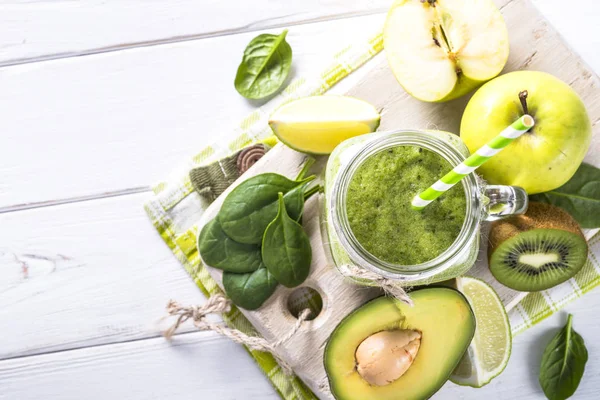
point(537, 250)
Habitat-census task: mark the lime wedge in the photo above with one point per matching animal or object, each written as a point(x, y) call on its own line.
point(317, 124)
point(489, 351)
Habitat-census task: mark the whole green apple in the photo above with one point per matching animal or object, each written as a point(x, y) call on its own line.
point(548, 155)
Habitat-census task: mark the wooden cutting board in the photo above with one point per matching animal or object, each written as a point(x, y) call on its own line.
point(535, 45)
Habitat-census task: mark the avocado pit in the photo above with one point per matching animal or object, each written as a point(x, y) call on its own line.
point(385, 356)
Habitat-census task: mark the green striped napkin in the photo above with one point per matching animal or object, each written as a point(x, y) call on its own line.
point(176, 207)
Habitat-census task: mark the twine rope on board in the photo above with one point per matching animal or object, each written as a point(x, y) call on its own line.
point(219, 304)
point(390, 287)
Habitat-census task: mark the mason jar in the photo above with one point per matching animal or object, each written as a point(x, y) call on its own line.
point(483, 203)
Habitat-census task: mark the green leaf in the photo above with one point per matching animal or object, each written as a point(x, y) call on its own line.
point(580, 197)
point(249, 290)
point(294, 201)
point(286, 249)
point(219, 251)
point(312, 191)
point(307, 165)
point(563, 363)
point(252, 205)
point(265, 65)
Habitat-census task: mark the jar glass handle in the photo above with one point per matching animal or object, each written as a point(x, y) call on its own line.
point(504, 201)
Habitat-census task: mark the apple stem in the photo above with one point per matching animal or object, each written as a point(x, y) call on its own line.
point(523, 97)
point(431, 2)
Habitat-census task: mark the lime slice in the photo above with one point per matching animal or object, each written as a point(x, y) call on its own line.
point(317, 124)
point(489, 351)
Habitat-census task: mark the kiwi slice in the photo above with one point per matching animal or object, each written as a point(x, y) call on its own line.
point(537, 250)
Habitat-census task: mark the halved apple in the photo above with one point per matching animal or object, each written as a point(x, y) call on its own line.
point(442, 49)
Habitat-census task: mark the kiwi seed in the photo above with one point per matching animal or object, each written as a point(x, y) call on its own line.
point(537, 250)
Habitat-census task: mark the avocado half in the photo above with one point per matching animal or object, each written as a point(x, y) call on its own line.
point(447, 325)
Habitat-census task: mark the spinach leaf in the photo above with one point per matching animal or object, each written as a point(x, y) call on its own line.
point(249, 290)
point(252, 205)
point(312, 191)
point(286, 249)
point(309, 163)
point(294, 200)
point(219, 251)
point(580, 197)
point(265, 65)
point(563, 363)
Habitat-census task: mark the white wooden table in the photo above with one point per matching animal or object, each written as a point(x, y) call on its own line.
point(98, 99)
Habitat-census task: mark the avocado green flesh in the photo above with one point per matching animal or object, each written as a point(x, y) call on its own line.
point(446, 322)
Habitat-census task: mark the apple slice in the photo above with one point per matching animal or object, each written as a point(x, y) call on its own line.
point(317, 124)
point(442, 49)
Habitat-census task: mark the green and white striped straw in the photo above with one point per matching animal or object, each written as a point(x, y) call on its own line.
point(463, 169)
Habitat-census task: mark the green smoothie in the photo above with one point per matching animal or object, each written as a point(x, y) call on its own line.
point(378, 205)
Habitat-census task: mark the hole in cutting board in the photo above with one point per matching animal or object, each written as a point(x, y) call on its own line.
point(302, 298)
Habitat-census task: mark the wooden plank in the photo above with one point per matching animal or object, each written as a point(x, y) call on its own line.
point(102, 123)
point(110, 122)
point(194, 366)
point(577, 25)
point(142, 377)
point(199, 366)
point(47, 29)
point(84, 274)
